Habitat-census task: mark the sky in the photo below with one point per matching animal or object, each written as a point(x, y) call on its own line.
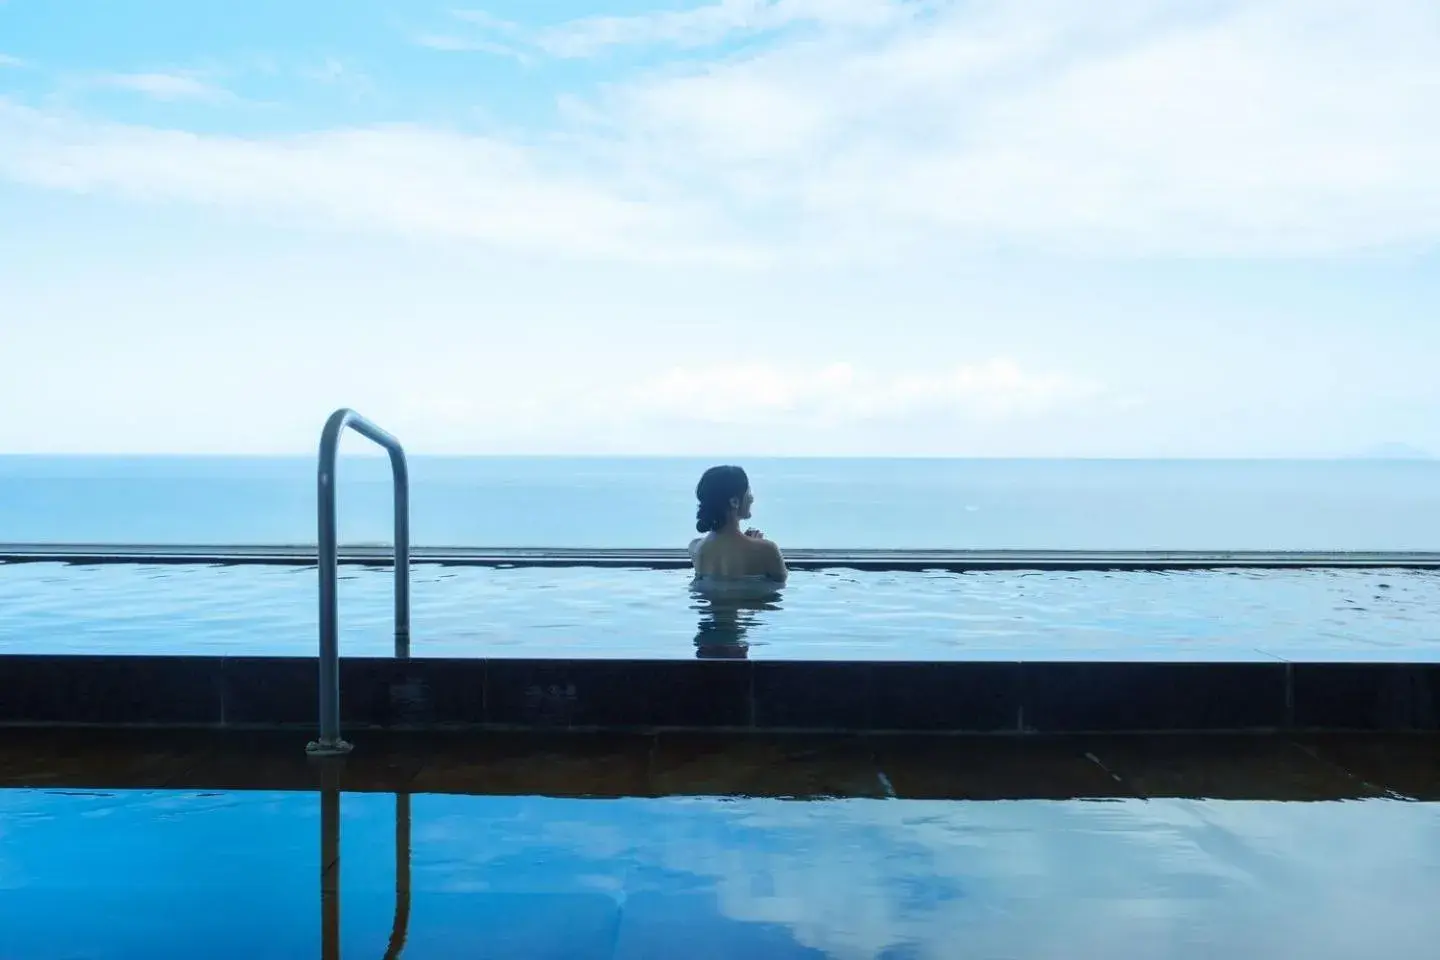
point(1180, 228)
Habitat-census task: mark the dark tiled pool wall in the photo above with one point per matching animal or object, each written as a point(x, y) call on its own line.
point(973, 697)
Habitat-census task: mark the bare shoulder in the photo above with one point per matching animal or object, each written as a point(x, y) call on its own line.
point(767, 548)
point(771, 560)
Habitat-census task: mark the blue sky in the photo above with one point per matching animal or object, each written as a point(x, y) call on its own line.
point(872, 227)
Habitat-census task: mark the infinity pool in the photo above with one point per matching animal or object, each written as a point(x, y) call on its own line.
point(834, 614)
point(119, 875)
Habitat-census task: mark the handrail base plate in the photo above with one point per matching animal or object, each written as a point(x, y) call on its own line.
point(338, 748)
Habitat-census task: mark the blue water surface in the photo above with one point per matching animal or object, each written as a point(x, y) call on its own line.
point(1316, 614)
point(125, 875)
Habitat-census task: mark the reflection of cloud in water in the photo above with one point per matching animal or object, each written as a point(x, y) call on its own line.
point(727, 611)
point(853, 879)
point(935, 880)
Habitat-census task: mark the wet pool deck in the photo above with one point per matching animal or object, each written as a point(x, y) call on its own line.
point(934, 767)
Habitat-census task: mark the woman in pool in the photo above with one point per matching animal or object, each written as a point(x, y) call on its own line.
point(725, 552)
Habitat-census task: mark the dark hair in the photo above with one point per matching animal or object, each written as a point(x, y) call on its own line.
point(717, 487)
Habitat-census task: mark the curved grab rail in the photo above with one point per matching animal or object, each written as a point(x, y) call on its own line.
point(330, 743)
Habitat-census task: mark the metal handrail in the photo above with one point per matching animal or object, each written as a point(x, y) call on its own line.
point(330, 743)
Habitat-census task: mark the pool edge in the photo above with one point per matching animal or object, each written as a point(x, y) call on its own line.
point(800, 559)
point(992, 697)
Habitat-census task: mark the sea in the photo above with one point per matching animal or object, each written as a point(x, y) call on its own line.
point(800, 503)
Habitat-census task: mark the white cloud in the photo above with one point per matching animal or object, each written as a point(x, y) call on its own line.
point(713, 23)
point(338, 75)
point(330, 70)
point(488, 21)
point(1132, 129)
point(1268, 128)
point(8, 61)
point(450, 43)
point(769, 408)
point(162, 86)
point(842, 393)
point(684, 29)
point(400, 179)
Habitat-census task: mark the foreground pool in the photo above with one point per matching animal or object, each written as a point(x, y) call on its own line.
point(1313, 614)
point(160, 874)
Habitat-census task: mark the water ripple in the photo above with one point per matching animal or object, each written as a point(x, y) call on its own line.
point(472, 611)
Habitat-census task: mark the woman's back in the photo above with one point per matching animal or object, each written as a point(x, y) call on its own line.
point(718, 556)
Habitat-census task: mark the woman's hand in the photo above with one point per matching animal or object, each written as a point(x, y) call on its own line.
point(754, 534)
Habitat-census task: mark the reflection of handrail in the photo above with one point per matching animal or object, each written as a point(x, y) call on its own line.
point(330, 743)
point(400, 926)
point(330, 874)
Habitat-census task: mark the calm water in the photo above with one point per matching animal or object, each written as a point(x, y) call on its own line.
point(833, 614)
point(120, 875)
point(1379, 505)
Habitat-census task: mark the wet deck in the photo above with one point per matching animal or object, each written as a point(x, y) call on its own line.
point(1217, 766)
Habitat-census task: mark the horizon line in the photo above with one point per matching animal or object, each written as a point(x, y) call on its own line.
point(727, 457)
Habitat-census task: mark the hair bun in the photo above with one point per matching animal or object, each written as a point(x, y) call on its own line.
point(705, 519)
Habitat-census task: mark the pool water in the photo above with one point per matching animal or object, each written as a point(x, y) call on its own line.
point(1316, 614)
point(112, 875)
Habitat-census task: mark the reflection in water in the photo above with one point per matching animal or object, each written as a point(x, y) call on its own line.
point(233, 876)
point(846, 614)
point(330, 867)
point(330, 874)
point(400, 927)
point(728, 609)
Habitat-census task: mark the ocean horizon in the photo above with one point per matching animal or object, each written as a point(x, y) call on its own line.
point(1359, 503)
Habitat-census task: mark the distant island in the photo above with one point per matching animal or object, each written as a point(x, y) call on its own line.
point(1393, 451)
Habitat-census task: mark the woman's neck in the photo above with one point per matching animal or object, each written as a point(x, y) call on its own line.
point(731, 527)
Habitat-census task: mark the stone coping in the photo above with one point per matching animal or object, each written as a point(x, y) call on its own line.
point(898, 559)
